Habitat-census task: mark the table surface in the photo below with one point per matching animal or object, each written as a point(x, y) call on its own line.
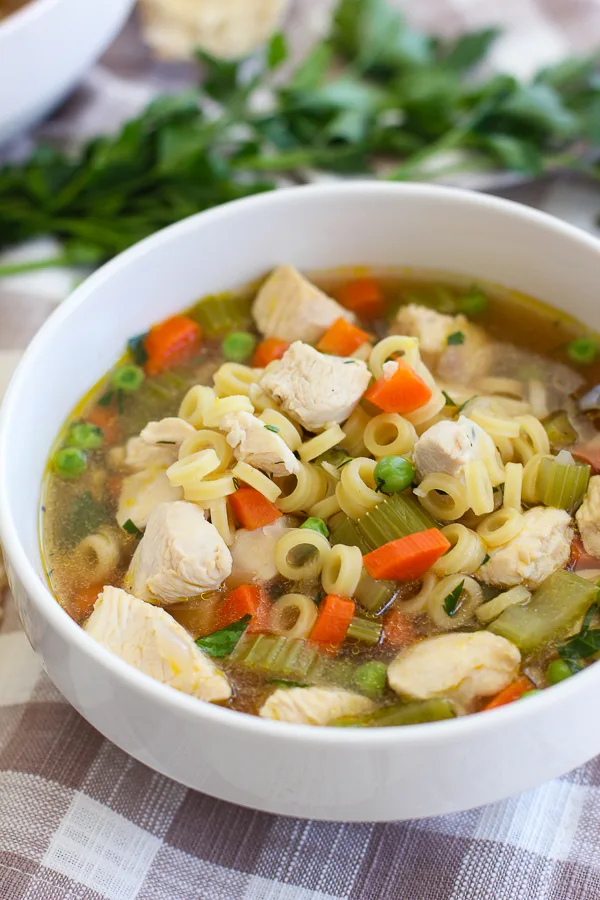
point(81, 819)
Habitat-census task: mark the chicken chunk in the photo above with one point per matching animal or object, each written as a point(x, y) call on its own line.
point(257, 445)
point(180, 555)
point(448, 446)
point(253, 553)
point(289, 307)
point(464, 361)
point(542, 547)
point(142, 492)
point(588, 518)
point(151, 640)
point(158, 443)
point(316, 390)
point(313, 705)
point(459, 666)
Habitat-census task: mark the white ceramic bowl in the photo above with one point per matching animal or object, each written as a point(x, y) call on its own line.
point(45, 48)
point(389, 773)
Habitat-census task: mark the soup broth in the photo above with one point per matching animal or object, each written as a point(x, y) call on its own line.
point(320, 498)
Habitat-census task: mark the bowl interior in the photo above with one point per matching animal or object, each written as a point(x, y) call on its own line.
point(317, 227)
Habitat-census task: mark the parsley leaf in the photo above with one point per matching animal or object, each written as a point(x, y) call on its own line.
point(167, 442)
point(236, 483)
point(281, 682)
point(137, 349)
point(449, 400)
point(486, 559)
point(131, 528)
point(451, 602)
point(221, 643)
point(583, 644)
point(470, 400)
point(457, 337)
point(272, 428)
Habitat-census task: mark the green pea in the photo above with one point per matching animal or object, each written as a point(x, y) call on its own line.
point(128, 378)
point(316, 524)
point(370, 678)
point(238, 346)
point(394, 474)
point(583, 350)
point(85, 435)
point(557, 671)
point(70, 462)
point(473, 304)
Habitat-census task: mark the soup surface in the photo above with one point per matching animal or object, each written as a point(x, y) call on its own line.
point(363, 499)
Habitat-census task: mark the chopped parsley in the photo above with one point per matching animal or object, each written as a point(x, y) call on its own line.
point(281, 682)
point(272, 428)
point(349, 362)
point(486, 559)
point(457, 337)
point(131, 528)
point(236, 483)
point(470, 400)
point(166, 442)
point(344, 462)
point(451, 601)
point(221, 643)
point(582, 645)
point(449, 400)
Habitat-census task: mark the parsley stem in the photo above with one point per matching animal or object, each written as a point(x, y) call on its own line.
point(34, 266)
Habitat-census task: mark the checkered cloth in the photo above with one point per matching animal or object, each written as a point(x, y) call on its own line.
point(80, 820)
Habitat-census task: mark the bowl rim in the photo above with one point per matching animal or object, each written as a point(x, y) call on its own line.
point(25, 15)
point(461, 728)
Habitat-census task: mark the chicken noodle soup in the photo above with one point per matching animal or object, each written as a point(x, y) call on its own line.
point(357, 500)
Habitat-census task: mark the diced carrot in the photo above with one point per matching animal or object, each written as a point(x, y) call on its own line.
point(252, 509)
point(342, 338)
point(82, 601)
point(407, 558)
point(107, 419)
point(510, 693)
point(334, 617)
point(398, 629)
point(243, 601)
point(589, 453)
point(171, 342)
point(363, 296)
point(267, 351)
point(113, 487)
point(403, 392)
point(261, 620)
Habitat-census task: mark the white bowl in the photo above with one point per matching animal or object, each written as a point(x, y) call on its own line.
point(45, 48)
point(327, 773)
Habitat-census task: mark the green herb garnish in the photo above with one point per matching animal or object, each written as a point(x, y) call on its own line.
point(272, 428)
point(137, 349)
point(173, 443)
point(451, 601)
point(486, 559)
point(283, 683)
point(456, 338)
point(131, 528)
point(449, 400)
point(236, 483)
point(470, 400)
point(221, 643)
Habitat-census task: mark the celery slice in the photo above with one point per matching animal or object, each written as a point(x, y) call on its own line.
point(222, 313)
point(401, 714)
point(560, 485)
point(396, 516)
point(555, 607)
point(560, 432)
point(291, 657)
point(374, 595)
point(365, 630)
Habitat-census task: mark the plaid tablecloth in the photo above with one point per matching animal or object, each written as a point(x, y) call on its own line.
point(80, 820)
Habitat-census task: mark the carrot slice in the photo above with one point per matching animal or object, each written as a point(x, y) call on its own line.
point(334, 617)
point(342, 338)
point(81, 602)
point(403, 392)
point(261, 620)
point(510, 693)
point(107, 419)
point(398, 629)
point(252, 509)
point(363, 296)
point(243, 601)
point(267, 351)
point(171, 342)
point(407, 558)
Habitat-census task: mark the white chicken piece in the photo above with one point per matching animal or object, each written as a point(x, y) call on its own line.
point(257, 445)
point(448, 446)
point(148, 638)
point(313, 705)
point(180, 555)
point(253, 553)
point(142, 492)
point(289, 307)
point(588, 518)
point(542, 547)
point(158, 443)
point(459, 666)
point(316, 390)
point(460, 362)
